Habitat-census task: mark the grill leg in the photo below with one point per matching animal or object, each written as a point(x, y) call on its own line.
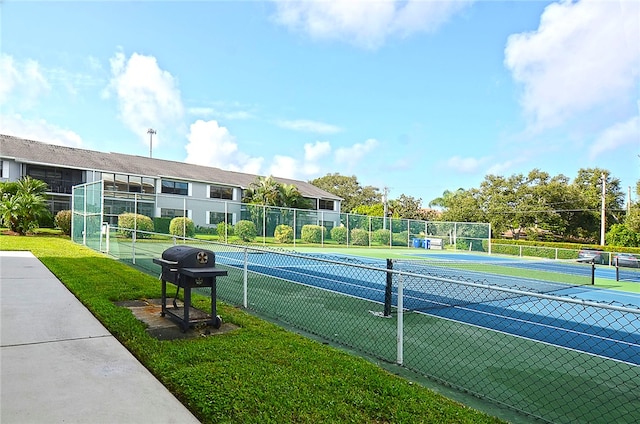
point(215, 319)
point(164, 298)
point(187, 306)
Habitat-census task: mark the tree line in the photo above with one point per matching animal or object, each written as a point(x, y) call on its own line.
point(536, 205)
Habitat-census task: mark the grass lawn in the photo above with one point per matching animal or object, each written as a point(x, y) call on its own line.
point(258, 373)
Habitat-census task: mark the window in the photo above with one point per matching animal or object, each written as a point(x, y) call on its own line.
point(172, 213)
point(175, 187)
point(325, 204)
point(59, 180)
point(217, 192)
point(148, 186)
point(216, 218)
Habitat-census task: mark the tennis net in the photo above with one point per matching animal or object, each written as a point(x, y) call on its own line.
point(445, 283)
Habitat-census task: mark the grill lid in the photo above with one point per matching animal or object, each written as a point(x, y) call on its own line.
point(189, 257)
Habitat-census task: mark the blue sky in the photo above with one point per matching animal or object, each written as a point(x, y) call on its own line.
point(417, 96)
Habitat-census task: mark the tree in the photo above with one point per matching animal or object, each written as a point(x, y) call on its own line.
point(371, 210)
point(263, 191)
point(407, 207)
point(464, 206)
point(269, 192)
point(291, 197)
point(23, 204)
point(349, 189)
point(445, 200)
point(588, 183)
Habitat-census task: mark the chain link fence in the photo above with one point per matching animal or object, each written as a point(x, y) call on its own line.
point(546, 353)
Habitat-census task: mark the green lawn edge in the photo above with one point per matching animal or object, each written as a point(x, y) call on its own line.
point(258, 373)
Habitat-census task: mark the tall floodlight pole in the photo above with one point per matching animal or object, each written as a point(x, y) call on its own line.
point(151, 132)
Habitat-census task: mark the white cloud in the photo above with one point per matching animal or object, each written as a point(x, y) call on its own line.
point(309, 126)
point(618, 135)
point(351, 156)
point(21, 83)
point(211, 112)
point(467, 165)
point(148, 97)
point(582, 55)
point(365, 23)
point(213, 145)
point(284, 166)
point(316, 151)
point(41, 130)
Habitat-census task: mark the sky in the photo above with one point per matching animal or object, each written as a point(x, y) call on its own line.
point(415, 96)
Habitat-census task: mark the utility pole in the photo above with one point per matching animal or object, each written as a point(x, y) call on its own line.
point(602, 217)
point(151, 132)
point(384, 202)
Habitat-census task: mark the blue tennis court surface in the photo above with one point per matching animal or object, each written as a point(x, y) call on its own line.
point(580, 327)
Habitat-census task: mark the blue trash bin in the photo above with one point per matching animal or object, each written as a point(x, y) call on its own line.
point(427, 244)
point(416, 242)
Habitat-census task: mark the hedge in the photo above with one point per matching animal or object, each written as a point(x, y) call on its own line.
point(283, 234)
point(339, 235)
point(246, 230)
point(313, 233)
point(137, 221)
point(182, 227)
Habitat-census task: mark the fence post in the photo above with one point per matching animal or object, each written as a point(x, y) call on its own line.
point(108, 236)
point(400, 335)
point(388, 289)
point(245, 279)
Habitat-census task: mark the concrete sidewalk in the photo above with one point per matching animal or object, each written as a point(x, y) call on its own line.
point(59, 364)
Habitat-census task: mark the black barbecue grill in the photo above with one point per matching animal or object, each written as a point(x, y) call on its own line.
point(189, 267)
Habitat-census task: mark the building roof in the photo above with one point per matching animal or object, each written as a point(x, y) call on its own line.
point(31, 151)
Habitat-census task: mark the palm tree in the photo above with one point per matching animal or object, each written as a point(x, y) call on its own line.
point(263, 191)
point(21, 211)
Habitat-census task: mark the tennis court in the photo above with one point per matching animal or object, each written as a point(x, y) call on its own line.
point(526, 336)
point(457, 291)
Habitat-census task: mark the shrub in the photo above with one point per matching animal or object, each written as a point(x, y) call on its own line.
point(128, 221)
point(246, 230)
point(339, 235)
point(380, 236)
point(63, 221)
point(224, 231)
point(182, 227)
point(161, 225)
point(283, 234)
point(208, 230)
point(359, 237)
point(401, 238)
point(312, 233)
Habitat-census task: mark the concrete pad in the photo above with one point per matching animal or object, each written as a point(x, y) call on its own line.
point(83, 381)
point(34, 299)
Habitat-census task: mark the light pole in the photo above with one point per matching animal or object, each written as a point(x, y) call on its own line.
point(151, 132)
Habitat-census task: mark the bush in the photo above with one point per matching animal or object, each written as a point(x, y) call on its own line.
point(161, 225)
point(246, 230)
point(128, 221)
point(312, 233)
point(63, 221)
point(182, 227)
point(201, 229)
point(380, 236)
point(401, 238)
point(339, 235)
point(283, 234)
point(359, 237)
point(224, 231)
